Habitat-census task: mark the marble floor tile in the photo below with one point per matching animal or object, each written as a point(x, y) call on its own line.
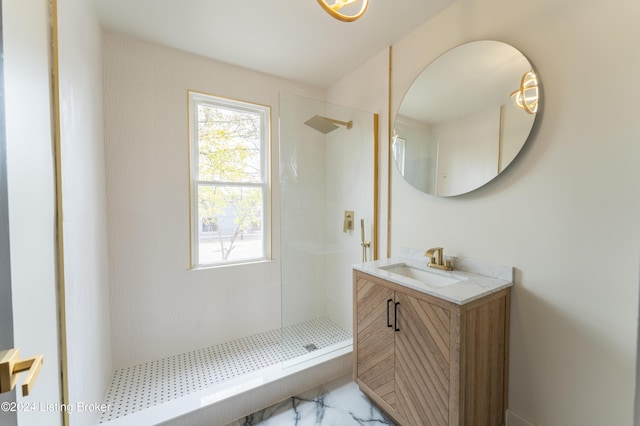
point(337, 403)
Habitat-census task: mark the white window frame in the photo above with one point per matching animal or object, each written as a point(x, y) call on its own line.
point(195, 99)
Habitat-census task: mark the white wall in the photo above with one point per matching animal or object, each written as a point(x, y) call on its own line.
point(565, 213)
point(367, 89)
point(348, 174)
point(84, 207)
point(158, 306)
point(31, 200)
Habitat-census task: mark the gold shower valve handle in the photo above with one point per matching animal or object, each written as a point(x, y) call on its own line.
point(347, 225)
point(11, 366)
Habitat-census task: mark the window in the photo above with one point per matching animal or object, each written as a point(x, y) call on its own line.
point(229, 180)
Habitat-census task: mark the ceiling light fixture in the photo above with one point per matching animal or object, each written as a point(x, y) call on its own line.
point(333, 9)
point(526, 97)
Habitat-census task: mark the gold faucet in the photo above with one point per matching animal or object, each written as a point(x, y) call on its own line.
point(436, 259)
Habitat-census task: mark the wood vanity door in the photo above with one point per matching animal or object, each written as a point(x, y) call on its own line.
point(375, 339)
point(422, 361)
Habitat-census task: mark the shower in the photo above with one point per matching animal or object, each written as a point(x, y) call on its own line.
point(325, 124)
point(320, 176)
point(318, 183)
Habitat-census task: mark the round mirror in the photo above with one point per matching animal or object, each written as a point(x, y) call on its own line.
point(465, 118)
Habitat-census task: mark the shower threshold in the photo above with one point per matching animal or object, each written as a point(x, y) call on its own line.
point(229, 380)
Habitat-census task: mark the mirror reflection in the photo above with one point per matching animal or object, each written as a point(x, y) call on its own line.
point(465, 118)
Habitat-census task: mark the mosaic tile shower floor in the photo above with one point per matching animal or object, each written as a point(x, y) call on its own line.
point(142, 386)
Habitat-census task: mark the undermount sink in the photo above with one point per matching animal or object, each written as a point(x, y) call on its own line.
point(436, 279)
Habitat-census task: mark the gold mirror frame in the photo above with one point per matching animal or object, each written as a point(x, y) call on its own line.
point(333, 9)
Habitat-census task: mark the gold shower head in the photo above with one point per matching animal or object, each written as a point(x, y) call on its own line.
point(325, 125)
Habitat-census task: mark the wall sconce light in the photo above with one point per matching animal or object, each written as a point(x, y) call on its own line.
point(526, 97)
point(333, 9)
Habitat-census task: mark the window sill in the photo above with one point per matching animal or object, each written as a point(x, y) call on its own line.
point(247, 263)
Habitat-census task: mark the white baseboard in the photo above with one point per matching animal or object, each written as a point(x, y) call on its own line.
point(514, 419)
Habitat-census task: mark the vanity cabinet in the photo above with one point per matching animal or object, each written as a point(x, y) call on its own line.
point(427, 361)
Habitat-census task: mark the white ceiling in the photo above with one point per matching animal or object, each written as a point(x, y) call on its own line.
point(293, 39)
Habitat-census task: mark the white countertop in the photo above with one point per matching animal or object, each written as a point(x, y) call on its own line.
point(477, 279)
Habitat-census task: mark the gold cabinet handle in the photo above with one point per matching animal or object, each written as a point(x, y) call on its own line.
point(11, 366)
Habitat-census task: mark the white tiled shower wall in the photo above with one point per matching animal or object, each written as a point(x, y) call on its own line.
point(321, 177)
point(159, 306)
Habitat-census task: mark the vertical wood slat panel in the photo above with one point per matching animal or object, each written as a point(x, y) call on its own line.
point(485, 335)
point(374, 355)
point(456, 389)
